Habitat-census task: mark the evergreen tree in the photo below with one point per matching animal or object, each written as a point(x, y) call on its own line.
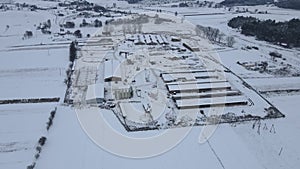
point(72, 51)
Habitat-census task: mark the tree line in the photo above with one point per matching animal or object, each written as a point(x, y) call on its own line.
point(245, 2)
point(291, 4)
point(283, 33)
point(214, 35)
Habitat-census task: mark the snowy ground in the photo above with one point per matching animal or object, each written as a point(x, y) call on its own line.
point(29, 70)
point(21, 127)
point(39, 71)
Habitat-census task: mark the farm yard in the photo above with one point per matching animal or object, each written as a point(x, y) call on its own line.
point(145, 85)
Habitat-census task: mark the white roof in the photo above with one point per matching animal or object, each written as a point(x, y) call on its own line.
point(147, 38)
point(95, 91)
point(188, 76)
point(164, 39)
point(198, 81)
point(142, 39)
point(112, 69)
point(159, 39)
point(201, 86)
point(205, 94)
point(210, 101)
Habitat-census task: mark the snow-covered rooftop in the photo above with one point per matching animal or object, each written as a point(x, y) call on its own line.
point(203, 86)
point(198, 81)
point(207, 102)
point(112, 69)
point(188, 76)
point(95, 91)
point(206, 94)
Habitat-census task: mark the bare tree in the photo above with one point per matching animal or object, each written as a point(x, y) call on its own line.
point(128, 28)
point(111, 29)
point(124, 29)
point(140, 27)
point(106, 30)
point(230, 41)
point(215, 34)
point(220, 37)
point(134, 28)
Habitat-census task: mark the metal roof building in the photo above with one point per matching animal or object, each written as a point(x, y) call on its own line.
point(198, 87)
point(171, 77)
point(211, 102)
point(95, 93)
point(112, 71)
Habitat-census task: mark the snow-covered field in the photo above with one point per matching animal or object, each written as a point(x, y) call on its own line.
point(36, 68)
point(20, 128)
point(29, 70)
point(31, 73)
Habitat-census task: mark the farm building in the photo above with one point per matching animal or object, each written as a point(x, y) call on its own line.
point(191, 47)
point(165, 40)
point(211, 102)
point(95, 94)
point(139, 40)
point(159, 39)
point(123, 93)
point(185, 76)
point(206, 94)
point(181, 88)
point(198, 81)
point(112, 71)
point(175, 39)
point(147, 39)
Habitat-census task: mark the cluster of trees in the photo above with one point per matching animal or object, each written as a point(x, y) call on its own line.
point(283, 33)
point(183, 4)
point(42, 140)
point(207, 3)
point(133, 1)
point(50, 122)
point(98, 8)
point(245, 2)
point(41, 143)
point(27, 34)
point(77, 34)
point(141, 19)
point(291, 4)
point(80, 5)
point(239, 21)
point(214, 35)
point(132, 28)
point(97, 23)
point(69, 24)
point(44, 27)
point(75, 3)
